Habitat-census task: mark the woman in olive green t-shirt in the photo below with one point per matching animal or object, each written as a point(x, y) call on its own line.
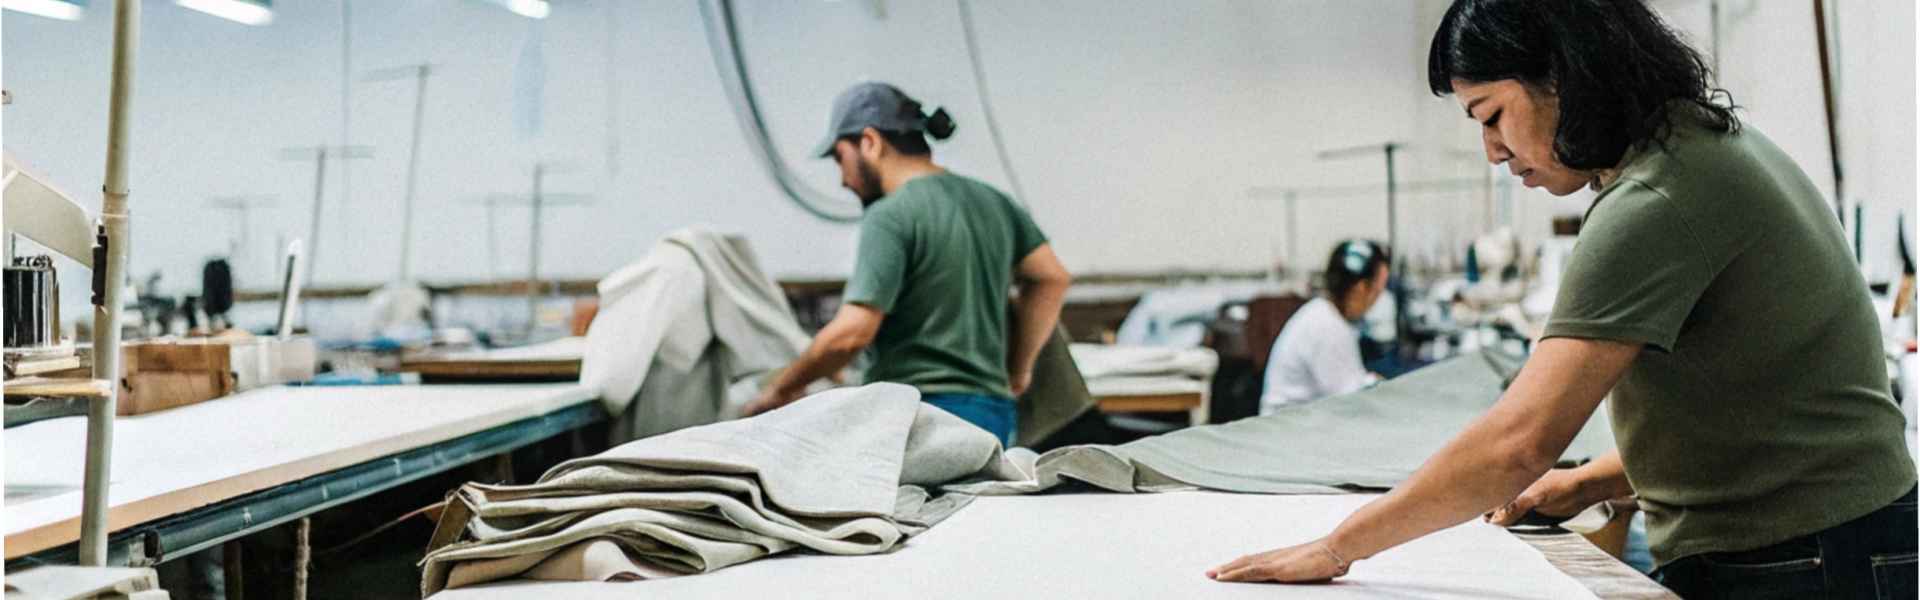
point(1711, 293)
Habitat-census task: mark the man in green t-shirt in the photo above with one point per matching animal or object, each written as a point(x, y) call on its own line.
point(938, 254)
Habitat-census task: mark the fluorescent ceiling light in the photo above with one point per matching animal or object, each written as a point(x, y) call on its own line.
point(65, 10)
point(532, 9)
point(249, 12)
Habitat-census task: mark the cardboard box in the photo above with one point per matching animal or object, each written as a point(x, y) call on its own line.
point(168, 373)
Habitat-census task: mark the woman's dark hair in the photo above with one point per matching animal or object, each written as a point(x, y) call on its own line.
point(1352, 262)
point(1618, 71)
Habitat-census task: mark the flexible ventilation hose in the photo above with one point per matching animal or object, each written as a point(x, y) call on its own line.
point(986, 102)
point(723, 38)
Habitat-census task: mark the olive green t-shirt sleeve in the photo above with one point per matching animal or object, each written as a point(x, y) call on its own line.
point(1026, 234)
point(880, 262)
point(1636, 272)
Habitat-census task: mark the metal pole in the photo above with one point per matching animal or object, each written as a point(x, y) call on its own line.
point(1399, 254)
point(1393, 204)
point(533, 252)
point(1293, 229)
point(346, 107)
point(493, 244)
point(106, 310)
point(1713, 13)
point(986, 103)
point(413, 170)
point(239, 240)
point(1486, 218)
point(313, 229)
point(1833, 110)
point(611, 75)
point(246, 232)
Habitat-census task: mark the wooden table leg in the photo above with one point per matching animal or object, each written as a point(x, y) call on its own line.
point(234, 577)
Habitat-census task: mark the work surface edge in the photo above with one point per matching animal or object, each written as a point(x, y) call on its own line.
point(139, 496)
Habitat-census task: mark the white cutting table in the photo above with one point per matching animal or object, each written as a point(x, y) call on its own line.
point(177, 461)
point(1124, 546)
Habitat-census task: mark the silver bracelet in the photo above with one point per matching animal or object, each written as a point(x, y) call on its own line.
point(1342, 563)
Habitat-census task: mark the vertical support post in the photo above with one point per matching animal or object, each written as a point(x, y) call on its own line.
point(533, 251)
point(413, 171)
point(319, 198)
point(346, 100)
point(1399, 254)
point(1393, 203)
point(1833, 110)
point(1713, 32)
point(302, 556)
point(493, 245)
point(233, 575)
point(1293, 228)
point(112, 282)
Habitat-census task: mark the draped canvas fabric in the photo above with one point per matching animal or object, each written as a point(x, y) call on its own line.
point(684, 335)
point(689, 334)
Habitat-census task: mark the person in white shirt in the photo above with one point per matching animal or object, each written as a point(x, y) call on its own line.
point(1318, 351)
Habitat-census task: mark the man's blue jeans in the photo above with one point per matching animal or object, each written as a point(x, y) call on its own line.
point(1869, 558)
point(997, 415)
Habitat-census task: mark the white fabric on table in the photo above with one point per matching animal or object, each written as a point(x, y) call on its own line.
point(1109, 546)
point(1113, 360)
point(566, 348)
point(1145, 386)
point(1120, 370)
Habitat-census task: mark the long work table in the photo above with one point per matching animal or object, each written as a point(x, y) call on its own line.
point(189, 478)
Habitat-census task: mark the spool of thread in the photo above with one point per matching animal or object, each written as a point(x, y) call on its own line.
point(32, 302)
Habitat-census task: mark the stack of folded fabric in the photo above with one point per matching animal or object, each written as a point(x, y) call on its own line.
point(847, 471)
point(1112, 370)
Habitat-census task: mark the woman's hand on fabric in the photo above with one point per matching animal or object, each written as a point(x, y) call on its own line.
point(1306, 563)
point(1559, 493)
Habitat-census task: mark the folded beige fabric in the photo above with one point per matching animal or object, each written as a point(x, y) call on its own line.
point(841, 472)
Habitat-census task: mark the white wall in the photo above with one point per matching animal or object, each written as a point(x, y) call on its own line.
point(1138, 127)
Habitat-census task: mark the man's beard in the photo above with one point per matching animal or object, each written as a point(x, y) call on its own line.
point(869, 188)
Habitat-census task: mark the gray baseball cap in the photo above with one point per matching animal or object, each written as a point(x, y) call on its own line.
point(880, 106)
